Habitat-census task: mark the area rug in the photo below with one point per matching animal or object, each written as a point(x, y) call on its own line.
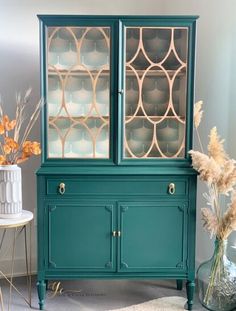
point(160, 304)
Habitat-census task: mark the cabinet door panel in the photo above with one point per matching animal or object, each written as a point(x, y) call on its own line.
point(153, 236)
point(78, 92)
point(80, 236)
point(155, 68)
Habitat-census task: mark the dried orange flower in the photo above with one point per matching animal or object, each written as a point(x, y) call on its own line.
point(30, 148)
point(14, 146)
point(2, 129)
point(35, 147)
point(8, 125)
point(11, 143)
point(2, 160)
point(23, 158)
point(27, 147)
point(7, 149)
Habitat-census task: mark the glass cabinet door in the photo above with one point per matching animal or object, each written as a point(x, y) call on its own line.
point(78, 92)
point(155, 92)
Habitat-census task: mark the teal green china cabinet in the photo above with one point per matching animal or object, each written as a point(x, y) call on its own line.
point(116, 190)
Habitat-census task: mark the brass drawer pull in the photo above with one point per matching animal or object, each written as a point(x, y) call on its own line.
point(62, 188)
point(171, 188)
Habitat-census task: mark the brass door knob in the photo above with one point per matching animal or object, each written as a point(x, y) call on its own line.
point(62, 188)
point(171, 188)
point(116, 233)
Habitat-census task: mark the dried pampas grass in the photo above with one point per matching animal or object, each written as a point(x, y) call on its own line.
point(210, 222)
point(207, 167)
point(227, 179)
point(228, 221)
point(216, 148)
point(219, 173)
point(198, 113)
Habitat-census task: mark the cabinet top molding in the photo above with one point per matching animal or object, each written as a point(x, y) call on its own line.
point(46, 17)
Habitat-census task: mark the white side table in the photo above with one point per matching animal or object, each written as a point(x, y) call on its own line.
point(18, 225)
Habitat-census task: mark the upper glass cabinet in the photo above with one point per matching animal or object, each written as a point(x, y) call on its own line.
point(119, 90)
point(155, 92)
point(78, 92)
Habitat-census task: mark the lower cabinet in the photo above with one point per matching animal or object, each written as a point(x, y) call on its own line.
point(116, 236)
point(115, 227)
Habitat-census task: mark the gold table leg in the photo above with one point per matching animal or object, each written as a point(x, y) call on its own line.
point(28, 262)
point(3, 235)
point(12, 268)
point(1, 300)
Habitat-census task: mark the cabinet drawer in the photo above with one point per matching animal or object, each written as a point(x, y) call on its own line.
point(169, 187)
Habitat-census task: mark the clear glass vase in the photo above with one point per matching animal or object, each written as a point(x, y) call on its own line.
point(217, 280)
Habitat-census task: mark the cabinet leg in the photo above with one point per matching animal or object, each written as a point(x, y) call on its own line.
point(41, 287)
point(190, 286)
point(46, 284)
point(179, 284)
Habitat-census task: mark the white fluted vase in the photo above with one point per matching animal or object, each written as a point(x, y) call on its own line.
point(10, 191)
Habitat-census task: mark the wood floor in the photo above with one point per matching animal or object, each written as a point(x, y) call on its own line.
point(95, 295)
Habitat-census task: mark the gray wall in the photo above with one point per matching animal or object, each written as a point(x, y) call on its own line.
point(215, 67)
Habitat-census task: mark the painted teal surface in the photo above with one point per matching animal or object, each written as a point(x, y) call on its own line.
point(78, 186)
point(90, 225)
point(153, 236)
point(170, 170)
point(74, 230)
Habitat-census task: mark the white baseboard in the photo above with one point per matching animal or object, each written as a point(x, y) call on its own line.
point(197, 263)
point(19, 267)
